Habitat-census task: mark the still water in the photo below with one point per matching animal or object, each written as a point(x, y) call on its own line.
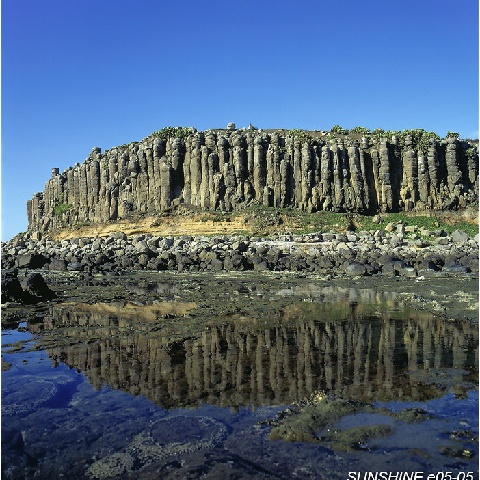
point(308, 388)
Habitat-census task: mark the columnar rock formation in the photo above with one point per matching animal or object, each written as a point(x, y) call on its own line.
point(231, 169)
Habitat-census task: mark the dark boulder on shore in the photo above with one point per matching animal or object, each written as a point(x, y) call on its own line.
point(12, 290)
point(35, 285)
point(32, 289)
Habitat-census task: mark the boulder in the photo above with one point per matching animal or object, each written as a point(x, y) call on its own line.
point(234, 262)
point(8, 261)
point(58, 264)
point(32, 289)
point(36, 286)
point(442, 241)
point(470, 261)
point(455, 269)
point(75, 267)
point(118, 235)
point(12, 290)
point(408, 272)
point(459, 236)
point(31, 260)
point(355, 269)
point(141, 247)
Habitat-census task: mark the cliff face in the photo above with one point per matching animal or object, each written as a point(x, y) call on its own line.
point(231, 169)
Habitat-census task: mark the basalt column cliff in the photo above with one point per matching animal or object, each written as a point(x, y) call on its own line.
point(231, 169)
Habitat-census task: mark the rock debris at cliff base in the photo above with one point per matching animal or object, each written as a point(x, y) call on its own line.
point(364, 253)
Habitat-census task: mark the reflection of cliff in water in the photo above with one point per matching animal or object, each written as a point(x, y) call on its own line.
point(359, 353)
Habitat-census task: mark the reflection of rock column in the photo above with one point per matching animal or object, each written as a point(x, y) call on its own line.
point(385, 360)
point(359, 350)
point(459, 349)
point(233, 365)
point(412, 340)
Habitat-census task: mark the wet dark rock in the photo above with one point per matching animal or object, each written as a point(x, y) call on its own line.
point(457, 452)
point(32, 289)
point(392, 267)
point(259, 263)
point(35, 285)
point(451, 260)
point(12, 290)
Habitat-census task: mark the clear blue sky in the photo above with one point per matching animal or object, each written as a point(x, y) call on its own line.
point(84, 73)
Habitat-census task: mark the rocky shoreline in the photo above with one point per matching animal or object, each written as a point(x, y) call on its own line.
point(399, 250)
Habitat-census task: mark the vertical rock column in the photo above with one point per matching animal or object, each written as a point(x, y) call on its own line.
point(176, 155)
point(220, 159)
point(210, 143)
point(345, 178)
point(93, 180)
point(142, 190)
point(35, 211)
point(187, 188)
point(366, 168)
point(166, 172)
point(126, 167)
point(454, 174)
point(82, 210)
point(53, 196)
point(326, 179)
point(196, 144)
point(307, 176)
point(409, 189)
point(472, 165)
point(296, 161)
point(261, 165)
point(356, 179)
point(385, 184)
point(229, 176)
point(243, 188)
point(271, 190)
point(111, 176)
point(423, 181)
point(150, 173)
point(433, 172)
point(338, 196)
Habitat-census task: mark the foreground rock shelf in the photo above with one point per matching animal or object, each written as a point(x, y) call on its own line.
point(216, 357)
